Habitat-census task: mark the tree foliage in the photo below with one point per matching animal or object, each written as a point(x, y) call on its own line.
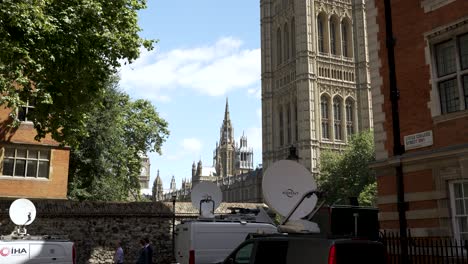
point(106, 163)
point(61, 53)
point(347, 174)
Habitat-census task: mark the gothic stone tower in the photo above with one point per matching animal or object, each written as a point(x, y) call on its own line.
point(157, 189)
point(244, 156)
point(224, 154)
point(315, 77)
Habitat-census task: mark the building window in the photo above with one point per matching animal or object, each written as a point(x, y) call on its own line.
point(26, 110)
point(459, 199)
point(451, 58)
point(344, 38)
point(349, 117)
point(281, 126)
point(293, 38)
point(286, 42)
point(337, 118)
point(324, 111)
point(278, 45)
point(289, 123)
point(296, 122)
point(333, 37)
point(24, 162)
point(321, 41)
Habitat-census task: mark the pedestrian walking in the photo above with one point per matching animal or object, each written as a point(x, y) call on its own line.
point(119, 254)
point(149, 251)
point(142, 253)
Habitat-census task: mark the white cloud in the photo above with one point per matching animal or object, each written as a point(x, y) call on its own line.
point(255, 92)
point(191, 145)
point(211, 70)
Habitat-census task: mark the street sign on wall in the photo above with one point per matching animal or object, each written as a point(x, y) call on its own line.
point(418, 140)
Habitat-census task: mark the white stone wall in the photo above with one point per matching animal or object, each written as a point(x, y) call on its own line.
point(307, 74)
point(376, 81)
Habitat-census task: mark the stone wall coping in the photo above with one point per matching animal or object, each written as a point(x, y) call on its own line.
point(68, 208)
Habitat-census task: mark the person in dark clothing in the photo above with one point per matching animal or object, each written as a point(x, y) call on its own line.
point(142, 254)
point(149, 251)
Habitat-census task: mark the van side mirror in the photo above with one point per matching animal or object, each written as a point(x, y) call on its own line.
point(230, 261)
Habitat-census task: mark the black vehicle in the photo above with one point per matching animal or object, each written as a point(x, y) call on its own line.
point(348, 235)
point(306, 249)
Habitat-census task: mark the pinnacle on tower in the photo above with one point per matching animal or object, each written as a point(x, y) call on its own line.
point(158, 179)
point(226, 112)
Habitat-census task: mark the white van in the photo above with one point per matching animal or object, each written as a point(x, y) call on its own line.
point(37, 251)
point(204, 242)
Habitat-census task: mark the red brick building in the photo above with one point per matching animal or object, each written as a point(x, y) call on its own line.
point(431, 62)
point(29, 168)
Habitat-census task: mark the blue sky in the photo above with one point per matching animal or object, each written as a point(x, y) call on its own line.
point(208, 50)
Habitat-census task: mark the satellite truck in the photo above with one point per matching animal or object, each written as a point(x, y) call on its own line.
point(290, 190)
point(210, 238)
point(21, 248)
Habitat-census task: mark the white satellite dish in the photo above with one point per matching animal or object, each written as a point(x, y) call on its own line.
point(284, 184)
point(22, 212)
point(206, 196)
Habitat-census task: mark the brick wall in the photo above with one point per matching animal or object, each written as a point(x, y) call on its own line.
point(427, 171)
point(55, 186)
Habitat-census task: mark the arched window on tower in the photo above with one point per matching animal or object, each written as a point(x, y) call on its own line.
point(320, 30)
point(288, 112)
point(349, 117)
point(325, 117)
point(333, 48)
point(278, 46)
point(337, 118)
point(296, 122)
point(281, 126)
point(286, 42)
point(344, 38)
point(293, 38)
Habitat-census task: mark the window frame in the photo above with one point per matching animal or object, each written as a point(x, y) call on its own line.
point(281, 126)
point(337, 119)
point(344, 39)
point(456, 230)
point(26, 109)
point(279, 47)
point(320, 35)
point(288, 113)
point(349, 112)
point(333, 38)
point(325, 117)
point(26, 160)
point(458, 75)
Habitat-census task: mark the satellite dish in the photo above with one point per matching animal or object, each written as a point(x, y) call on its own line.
point(207, 197)
point(284, 183)
point(22, 212)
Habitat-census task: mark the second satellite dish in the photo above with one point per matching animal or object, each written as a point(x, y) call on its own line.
point(206, 196)
point(22, 212)
point(284, 183)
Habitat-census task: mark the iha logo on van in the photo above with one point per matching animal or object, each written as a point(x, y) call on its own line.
point(290, 193)
point(13, 251)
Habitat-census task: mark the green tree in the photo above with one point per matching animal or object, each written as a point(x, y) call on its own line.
point(60, 54)
point(105, 165)
point(347, 174)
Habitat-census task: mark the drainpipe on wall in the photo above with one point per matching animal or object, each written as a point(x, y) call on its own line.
point(398, 149)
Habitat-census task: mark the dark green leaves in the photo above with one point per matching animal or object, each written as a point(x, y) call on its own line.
point(347, 174)
point(62, 52)
point(105, 165)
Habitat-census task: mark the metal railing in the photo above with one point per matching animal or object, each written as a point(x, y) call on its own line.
point(425, 249)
